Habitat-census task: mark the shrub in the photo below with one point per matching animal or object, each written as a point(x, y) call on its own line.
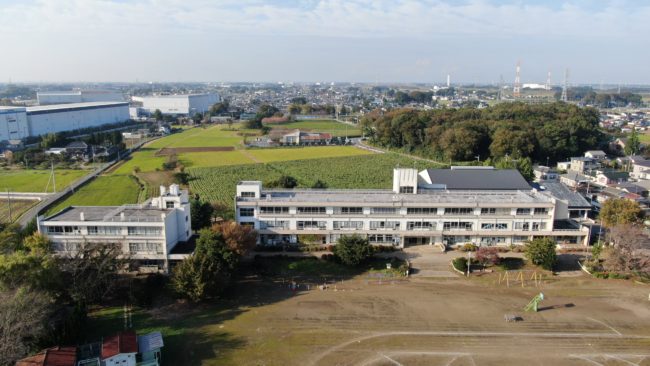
point(488, 256)
point(353, 250)
point(460, 264)
point(541, 252)
point(469, 247)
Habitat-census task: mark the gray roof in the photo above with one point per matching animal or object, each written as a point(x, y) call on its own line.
point(132, 213)
point(562, 192)
point(479, 179)
point(150, 342)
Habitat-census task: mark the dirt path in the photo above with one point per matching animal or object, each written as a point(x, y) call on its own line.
point(250, 156)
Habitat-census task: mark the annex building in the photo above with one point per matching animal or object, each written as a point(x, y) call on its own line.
point(146, 233)
point(446, 207)
point(178, 104)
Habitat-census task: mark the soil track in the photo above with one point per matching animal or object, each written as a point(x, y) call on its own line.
point(177, 150)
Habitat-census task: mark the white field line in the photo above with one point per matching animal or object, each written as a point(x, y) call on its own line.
point(588, 360)
point(605, 324)
point(316, 359)
point(393, 361)
point(623, 360)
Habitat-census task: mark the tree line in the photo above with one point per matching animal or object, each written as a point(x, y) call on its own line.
point(544, 132)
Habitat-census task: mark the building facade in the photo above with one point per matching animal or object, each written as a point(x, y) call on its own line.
point(179, 105)
point(447, 207)
point(78, 96)
point(146, 233)
point(13, 123)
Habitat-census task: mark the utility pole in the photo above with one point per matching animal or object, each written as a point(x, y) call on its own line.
point(9, 201)
point(53, 177)
point(469, 262)
point(516, 90)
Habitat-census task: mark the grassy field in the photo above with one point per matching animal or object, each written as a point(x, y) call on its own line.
point(327, 126)
point(644, 138)
point(20, 180)
point(17, 208)
point(106, 190)
point(426, 321)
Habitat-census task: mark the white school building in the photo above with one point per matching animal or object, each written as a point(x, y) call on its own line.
point(449, 207)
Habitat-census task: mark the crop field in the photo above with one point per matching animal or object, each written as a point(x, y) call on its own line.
point(15, 207)
point(105, 190)
point(326, 126)
point(219, 135)
point(20, 180)
point(644, 138)
point(412, 322)
point(364, 171)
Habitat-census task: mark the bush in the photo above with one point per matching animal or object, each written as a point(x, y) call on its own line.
point(541, 252)
point(383, 248)
point(353, 250)
point(468, 247)
point(488, 256)
point(460, 264)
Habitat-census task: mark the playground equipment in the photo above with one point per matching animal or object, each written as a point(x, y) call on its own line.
point(535, 277)
point(532, 305)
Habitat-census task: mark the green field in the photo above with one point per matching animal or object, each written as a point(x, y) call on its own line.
point(644, 138)
point(20, 180)
point(365, 171)
point(107, 190)
point(16, 207)
point(320, 125)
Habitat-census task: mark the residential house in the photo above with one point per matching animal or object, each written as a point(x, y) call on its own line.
point(597, 155)
point(640, 168)
point(297, 137)
point(54, 356)
point(149, 349)
point(120, 349)
point(544, 173)
point(582, 164)
point(610, 177)
point(574, 179)
point(77, 149)
point(564, 165)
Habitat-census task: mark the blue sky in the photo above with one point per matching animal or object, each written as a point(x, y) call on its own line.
point(324, 40)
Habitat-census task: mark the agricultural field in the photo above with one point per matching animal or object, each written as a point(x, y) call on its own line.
point(105, 190)
point(365, 171)
point(322, 125)
point(20, 180)
point(644, 138)
point(15, 207)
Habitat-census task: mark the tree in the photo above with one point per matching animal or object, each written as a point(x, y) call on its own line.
point(157, 115)
point(240, 239)
point(29, 264)
point(487, 256)
point(353, 250)
point(633, 145)
point(24, 316)
point(285, 181)
point(620, 211)
point(201, 213)
point(630, 250)
point(319, 184)
point(207, 272)
point(197, 117)
point(541, 252)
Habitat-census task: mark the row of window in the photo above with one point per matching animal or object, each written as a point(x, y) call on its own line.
point(105, 230)
point(410, 225)
point(457, 211)
point(134, 248)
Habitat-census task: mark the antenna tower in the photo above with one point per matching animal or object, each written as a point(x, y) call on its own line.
point(548, 81)
point(564, 97)
point(516, 91)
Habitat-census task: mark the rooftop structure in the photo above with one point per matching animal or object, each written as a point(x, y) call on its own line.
point(78, 96)
point(54, 356)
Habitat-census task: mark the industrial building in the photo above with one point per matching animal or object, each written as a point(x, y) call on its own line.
point(178, 105)
point(17, 123)
point(78, 96)
point(146, 233)
point(446, 207)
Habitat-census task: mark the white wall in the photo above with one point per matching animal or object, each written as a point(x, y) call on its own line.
point(122, 359)
point(180, 104)
point(13, 124)
point(56, 121)
point(78, 96)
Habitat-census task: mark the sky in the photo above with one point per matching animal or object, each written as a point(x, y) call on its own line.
point(599, 41)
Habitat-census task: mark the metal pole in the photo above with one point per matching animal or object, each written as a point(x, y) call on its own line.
point(9, 199)
point(469, 261)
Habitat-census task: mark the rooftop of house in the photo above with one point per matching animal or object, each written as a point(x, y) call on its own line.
point(150, 342)
point(132, 213)
point(54, 356)
point(615, 175)
point(123, 342)
point(478, 179)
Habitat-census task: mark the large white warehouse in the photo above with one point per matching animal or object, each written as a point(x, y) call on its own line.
point(181, 104)
point(78, 96)
point(19, 122)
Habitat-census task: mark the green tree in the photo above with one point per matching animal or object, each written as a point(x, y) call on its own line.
point(157, 115)
point(633, 145)
point(620, 211)
point(319, 184)
point(541, 252)
point(201, 213)
point(207, 272)
point(353, 250)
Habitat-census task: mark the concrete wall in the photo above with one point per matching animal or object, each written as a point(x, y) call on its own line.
point(13, 123)
point(66, 120)
point(180, 104)
point(78, 96)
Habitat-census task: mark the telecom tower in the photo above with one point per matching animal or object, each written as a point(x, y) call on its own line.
point(500, 92)
point(548, 81)
point(516, 91)
point(564, 97)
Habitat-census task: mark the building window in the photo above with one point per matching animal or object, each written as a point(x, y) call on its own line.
point(421, 211)
point(384, 225)
point(494, 226)
point(494, 240)
point(246, 212)
point(63, 230)
point(457, 225)
point(541, 211)
point(384, 211)
point(104, 230)
point(537, 226)
point(519, 239)
point(311, 210)
point(523, 211)
point(459, 211)
point(420, 225)
point(348, 225)
point(66, 247)
point(348, 210)
point(274, 210)
point(406, 190)
point(274, 224)
point(311, 225)
point(170, 204)
point(247, 224)
point(488, 211)
point(383, 238)
point(144, 231)
point(248, 194)
point(522, 226)
point(151, 248)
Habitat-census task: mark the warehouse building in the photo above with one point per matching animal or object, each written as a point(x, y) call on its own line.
point(146, 233)
point(447, 207)
point(17, 123)
point(179, 105)
point(78, 96)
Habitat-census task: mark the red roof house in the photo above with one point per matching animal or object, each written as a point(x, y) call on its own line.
point(121, 347)
point(54, 356)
